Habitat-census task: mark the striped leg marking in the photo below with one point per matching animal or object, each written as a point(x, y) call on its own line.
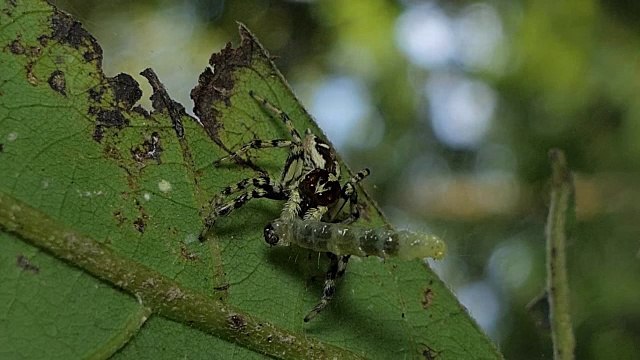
point(264, 187)
point(336, 270)
point(348, 194)
point(278, 113)
point(259, 182)
point(256, 144)
point(339, 263)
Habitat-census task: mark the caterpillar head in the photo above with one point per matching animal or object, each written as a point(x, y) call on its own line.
point(420, 245)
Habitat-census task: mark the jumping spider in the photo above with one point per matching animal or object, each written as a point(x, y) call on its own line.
point(309, 185)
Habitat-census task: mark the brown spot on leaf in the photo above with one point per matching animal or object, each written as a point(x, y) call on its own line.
point(142, 111)
point(119, 217)
point(34, 51)
point(88, 56)
point(57, 82)
point(1, 147)
point(186, 255)
point(43, 40)
point(31, 78)
point(24, 263)
point(16, 47)
point(111, 118)
point(95, 95)
point(215, 87)
point(430, 354)
point(70, 32)
point(160, 100)
point(107, 119)
point(141, 222)
point(98, 133)
point(222, 288)
point(126, 89)
point(237, 322)
point(149, 150)
point(203, 96)
point(139, 225)
point(427, 298)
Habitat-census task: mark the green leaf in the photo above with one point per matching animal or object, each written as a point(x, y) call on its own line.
point(101, 204)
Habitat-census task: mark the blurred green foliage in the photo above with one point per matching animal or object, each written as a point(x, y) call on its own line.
point(565, 75)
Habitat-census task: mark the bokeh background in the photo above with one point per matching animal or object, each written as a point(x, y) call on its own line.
point(454, 106)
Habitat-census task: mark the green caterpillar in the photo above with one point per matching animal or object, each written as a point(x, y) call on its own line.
point(343, 239)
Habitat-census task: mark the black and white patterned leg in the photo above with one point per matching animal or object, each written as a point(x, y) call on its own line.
point(256, 144)
point(264, 187)
point(336, 270)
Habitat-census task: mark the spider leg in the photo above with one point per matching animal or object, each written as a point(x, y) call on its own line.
point(259, 182)
point(291, 208)
point(359, 176)
point(264, 188)
point(295, 161)
point(349, 191)
point(315, 213)
point(349, 194)
point(279, 113)
point(336, 270)
point(338, 263)
point(256, 144)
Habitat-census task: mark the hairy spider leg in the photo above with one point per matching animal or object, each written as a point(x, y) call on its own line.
point(358, 177)
point(315, 213)
point(279, 113)
point(264, 182)
point(291, 207)
point(338, 264)
point(256, 144)
point(264, 187)
point(349, 194)
point(304, 157)
point(336, 270)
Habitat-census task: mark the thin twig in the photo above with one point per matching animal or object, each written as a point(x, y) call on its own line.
point(162, 295)
point(562, 207)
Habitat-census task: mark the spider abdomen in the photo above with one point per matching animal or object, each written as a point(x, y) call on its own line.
point(343, 239)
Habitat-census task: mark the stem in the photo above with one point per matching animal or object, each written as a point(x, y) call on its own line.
point(561, 208)
point(162, 295)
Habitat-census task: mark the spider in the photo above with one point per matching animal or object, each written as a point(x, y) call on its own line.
point(309, 185)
